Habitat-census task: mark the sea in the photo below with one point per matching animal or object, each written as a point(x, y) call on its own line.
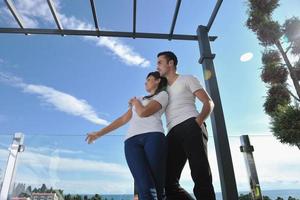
point(273, 194)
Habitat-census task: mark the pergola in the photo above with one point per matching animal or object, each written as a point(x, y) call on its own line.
point(225, 165)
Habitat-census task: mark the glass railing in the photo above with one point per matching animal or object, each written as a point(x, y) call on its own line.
point(67, 165)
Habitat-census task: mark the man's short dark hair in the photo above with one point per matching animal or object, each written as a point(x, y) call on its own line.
point(169, 55)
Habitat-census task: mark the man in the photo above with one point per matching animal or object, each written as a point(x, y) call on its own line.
point(187, 135)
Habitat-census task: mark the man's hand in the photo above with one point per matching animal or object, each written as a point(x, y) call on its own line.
point(207, 107)
point(199, 121)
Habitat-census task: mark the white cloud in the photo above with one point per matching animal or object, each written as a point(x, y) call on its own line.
point(127, 55)
point(246, 57)
point(36, 12)
point(59, 100)
point(5, 16)
point(65, 102)
point(124, 52)
point(35, 9)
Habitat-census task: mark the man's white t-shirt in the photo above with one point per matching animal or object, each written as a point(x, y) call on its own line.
point(182, 100)
point(153, 123)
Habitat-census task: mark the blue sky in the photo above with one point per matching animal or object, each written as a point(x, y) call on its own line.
point(56, 89)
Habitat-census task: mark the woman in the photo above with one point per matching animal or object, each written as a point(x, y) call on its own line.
point(145, 143)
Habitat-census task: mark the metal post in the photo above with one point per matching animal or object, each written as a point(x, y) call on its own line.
point(16, 147)
point(225, 166)
point(247, 150)
point(174, 18)
point(134, 18)
point(54, 14)
point(14, 12)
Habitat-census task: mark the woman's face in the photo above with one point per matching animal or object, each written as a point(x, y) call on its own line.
point(151, 83)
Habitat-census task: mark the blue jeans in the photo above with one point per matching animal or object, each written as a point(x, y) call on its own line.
point(146, 158)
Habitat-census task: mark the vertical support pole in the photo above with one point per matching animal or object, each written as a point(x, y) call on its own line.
point(247, 150)
point(15, 148)
point(225, 166)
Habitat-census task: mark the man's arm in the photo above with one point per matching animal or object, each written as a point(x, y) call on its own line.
point(208, 105)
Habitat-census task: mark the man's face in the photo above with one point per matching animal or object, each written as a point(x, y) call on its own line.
point(163, 66)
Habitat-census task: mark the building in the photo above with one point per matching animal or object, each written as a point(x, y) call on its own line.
point(44, 196)
point(20, 198)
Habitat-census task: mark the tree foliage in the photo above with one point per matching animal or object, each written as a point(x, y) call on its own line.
point(280, 43)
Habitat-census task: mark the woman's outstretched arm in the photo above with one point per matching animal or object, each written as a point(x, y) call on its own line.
point(112, 126)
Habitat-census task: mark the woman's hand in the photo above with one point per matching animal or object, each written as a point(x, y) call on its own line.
point(133, 101)
point(91, 137)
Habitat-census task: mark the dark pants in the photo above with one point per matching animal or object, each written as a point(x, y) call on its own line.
point(186, 141)
point(146, 158)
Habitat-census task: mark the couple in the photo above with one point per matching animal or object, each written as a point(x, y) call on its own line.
point(156, 161)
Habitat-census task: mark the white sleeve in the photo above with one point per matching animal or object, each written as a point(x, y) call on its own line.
point(193, 84)
point(162, 98)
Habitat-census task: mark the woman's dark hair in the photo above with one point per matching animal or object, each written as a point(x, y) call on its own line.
point(162, 86)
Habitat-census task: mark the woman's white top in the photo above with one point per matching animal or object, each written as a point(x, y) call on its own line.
point(153, 123)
